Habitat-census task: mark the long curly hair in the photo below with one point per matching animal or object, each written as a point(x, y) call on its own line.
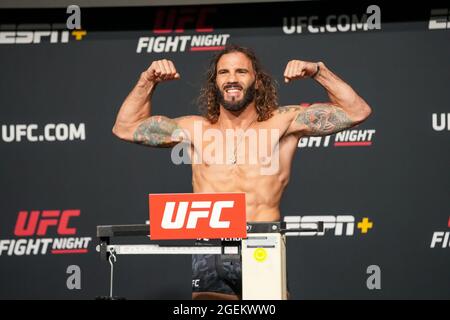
point(266, 99)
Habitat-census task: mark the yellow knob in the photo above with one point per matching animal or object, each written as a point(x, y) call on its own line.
point(260, 254)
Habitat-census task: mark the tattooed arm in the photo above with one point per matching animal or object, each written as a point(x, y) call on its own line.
point(345, 109)
point(319, 119)
point(158, 131)
point(134, 122)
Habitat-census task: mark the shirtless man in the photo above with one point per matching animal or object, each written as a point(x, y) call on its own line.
point(239, 95)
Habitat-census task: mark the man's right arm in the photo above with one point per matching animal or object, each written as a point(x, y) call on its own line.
point(158, 131)
point(135, 123)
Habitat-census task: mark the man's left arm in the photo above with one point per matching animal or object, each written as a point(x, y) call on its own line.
point(345, 109)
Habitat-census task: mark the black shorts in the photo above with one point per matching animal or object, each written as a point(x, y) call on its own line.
point(217, 273)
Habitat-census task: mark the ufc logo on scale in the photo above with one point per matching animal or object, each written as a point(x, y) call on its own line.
point(197, 215)
point(194, 215)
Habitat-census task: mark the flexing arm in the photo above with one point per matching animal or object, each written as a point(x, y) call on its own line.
point(345, 109)
point(134, 122)
point(157, 131)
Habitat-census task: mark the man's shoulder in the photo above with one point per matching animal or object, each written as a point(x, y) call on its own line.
point(283, 110)
point(284, 118)
point(289, 111)
point(286, 112)
point(190, 120)
point(291, 108)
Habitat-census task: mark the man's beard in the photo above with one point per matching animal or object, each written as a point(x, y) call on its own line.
point(249, 96)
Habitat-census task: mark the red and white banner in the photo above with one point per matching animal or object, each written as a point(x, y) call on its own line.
point(197, 215)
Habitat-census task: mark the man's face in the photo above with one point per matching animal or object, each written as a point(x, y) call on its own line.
point(235, 80)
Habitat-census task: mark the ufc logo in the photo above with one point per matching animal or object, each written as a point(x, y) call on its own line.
point(195, 213)
point(38, 223)
point(177, 20)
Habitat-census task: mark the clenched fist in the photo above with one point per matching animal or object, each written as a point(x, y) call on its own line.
point(297, 69)
point(161, 70)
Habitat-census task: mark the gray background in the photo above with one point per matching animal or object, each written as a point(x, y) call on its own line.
point(401, 182)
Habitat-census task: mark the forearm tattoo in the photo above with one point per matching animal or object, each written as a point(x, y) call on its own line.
point(156, 132)
point(323, 119)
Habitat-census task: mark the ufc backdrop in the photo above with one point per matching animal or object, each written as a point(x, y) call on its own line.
point(383, 187)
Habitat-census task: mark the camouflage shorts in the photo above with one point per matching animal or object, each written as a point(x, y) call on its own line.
point(217, 273)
